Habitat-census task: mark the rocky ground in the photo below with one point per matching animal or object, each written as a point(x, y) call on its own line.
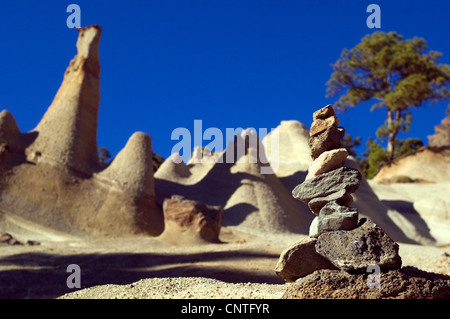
point(240, 267)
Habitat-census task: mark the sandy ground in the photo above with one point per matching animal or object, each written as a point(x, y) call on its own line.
point(431, 259)
point(241, 267)
point(40, 271)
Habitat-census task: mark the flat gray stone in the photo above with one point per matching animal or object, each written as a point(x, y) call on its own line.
point(355, 250)
point(301, 259)
point(328, 183)
point(333, 208)
point(333, 217)
point(342, 197)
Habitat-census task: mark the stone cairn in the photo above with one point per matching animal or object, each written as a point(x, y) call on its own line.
point(337, 239)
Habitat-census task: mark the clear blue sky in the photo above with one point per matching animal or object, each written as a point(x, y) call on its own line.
point(230, 63)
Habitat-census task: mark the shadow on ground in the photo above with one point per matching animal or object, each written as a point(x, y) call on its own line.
point(42, 275)
point(409, 212)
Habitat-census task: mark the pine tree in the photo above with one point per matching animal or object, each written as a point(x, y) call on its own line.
point(395, 74)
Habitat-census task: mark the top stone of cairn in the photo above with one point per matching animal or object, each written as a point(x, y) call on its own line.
point(324, 112)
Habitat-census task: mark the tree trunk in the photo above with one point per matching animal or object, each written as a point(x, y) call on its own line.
point(393, 127)
point(391, 146)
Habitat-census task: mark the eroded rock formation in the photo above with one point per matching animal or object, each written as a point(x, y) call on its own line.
point(442, 133)
point(51, 175)
point(187, 221)
point(67, 134)
point(234, 179)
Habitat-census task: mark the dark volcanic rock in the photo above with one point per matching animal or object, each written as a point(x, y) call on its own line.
point(356, 249)
point(404, 283)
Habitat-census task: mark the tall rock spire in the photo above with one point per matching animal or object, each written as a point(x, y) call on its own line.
point(67, 134)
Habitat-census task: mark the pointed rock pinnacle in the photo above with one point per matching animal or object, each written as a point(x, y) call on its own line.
point(67, 133)
point(132, 168)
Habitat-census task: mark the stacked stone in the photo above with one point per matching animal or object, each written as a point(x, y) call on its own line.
point(337, 240)
point(328, 186)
